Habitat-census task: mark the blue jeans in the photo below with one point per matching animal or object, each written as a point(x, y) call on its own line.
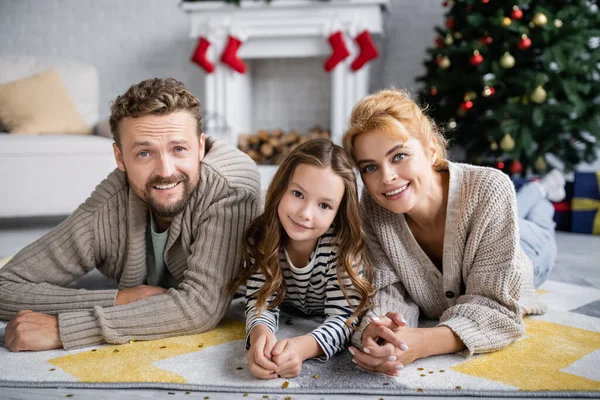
point(536, 226)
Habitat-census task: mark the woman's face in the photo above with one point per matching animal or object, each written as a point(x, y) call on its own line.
point(396, 173)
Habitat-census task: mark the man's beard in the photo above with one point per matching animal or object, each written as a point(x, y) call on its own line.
point(172, 210)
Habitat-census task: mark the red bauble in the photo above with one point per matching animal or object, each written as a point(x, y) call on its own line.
point(433, 91)
point(500, 165)
point(476, 58)
point(439, 42)
point(487, 39)
point(450, 23)
point(466, 106)
point(524, 43)
point(485, 1)
point(516, 167)
point(516, 13)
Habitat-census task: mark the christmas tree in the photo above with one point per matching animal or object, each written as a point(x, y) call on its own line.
point(514, 81)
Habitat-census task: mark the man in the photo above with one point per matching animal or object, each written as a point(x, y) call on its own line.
point(166, 225)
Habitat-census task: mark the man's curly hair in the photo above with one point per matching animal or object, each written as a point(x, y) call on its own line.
point(153, 96)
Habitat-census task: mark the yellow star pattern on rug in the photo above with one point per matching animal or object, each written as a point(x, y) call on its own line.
point(535, 362)
point(133, 362)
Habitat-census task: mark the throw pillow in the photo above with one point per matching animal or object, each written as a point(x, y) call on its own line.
point(39, 104)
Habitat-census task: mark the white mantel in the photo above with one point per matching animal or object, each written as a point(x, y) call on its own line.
point(281, 29)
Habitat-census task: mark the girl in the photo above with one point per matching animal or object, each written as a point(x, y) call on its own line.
point(305, 250)
point(445, 239)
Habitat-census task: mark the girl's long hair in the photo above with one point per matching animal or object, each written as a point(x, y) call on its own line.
point(265, 235)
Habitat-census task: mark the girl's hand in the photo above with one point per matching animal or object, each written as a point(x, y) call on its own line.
point(262, 341)
point(288, 357)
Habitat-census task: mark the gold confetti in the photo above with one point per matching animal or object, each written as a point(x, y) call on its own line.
point(206, 397)
point(201, 345)
point(316, 376)
point(52, 369)
point(381, 398)
point(188, 392)
point(441, 370)
point(420, 369)
point(245, 395)
point(385, 383)
point(69, 395)
point(287, 398)
point(163, 347)
point(171, 393)
point(285, 385)
point(419, 390)
point(423, 375)
point(459, 387)
point(265, 397)
point(94, 350)
point(239, 368)
point(115, 351)
point(431, 372)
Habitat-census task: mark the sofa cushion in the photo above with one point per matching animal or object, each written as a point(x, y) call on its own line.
point(39, 104)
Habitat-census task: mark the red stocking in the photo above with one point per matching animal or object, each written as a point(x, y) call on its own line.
point(368, 50)
point(199, 56)
point(340, 51)
point(230, 57)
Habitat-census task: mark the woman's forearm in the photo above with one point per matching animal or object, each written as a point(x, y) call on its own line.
point(439, 340)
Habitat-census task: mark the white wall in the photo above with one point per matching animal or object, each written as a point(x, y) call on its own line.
point(130, 40)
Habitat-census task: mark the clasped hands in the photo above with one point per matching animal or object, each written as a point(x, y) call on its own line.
point(388, 345)
point(269, 358)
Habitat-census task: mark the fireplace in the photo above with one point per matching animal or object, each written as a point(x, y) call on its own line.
point(279, 33)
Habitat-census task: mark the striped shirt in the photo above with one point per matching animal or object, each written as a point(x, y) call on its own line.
point(313, 289)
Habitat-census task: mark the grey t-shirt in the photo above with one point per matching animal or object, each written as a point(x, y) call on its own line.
point(158, 273)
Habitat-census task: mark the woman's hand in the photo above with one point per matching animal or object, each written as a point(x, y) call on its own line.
point(388, 345)
point(259, 355)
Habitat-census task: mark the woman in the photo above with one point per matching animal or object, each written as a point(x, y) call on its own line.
point(444, 239)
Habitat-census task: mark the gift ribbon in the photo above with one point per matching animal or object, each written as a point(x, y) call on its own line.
point(585, 204)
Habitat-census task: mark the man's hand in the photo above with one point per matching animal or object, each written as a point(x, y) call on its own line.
point(126, 296)
point(262, 341)
point(30, 330)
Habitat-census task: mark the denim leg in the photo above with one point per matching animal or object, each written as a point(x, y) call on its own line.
point(538, 239)
point(528, 196)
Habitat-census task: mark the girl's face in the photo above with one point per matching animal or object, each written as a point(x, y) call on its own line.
point(396, 173)
point(310, 203)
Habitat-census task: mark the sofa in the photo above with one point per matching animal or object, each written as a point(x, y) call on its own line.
point(51, 174)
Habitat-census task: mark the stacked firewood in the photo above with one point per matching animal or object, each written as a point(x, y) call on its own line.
point(271, 147)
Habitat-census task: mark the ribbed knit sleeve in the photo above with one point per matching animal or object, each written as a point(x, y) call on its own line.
point(35, 278)
point(390, 294)
point(205, 258)
point(487, 317)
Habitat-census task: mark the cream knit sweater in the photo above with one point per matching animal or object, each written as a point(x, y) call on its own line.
point(487, 280)
point(108, 232)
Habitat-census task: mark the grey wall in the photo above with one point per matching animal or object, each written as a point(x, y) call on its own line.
point(130, 40)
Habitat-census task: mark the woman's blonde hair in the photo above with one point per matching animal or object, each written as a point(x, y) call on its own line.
point(265, 235)
point(394, 112)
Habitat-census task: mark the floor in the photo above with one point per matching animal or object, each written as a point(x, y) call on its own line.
point(573, 249)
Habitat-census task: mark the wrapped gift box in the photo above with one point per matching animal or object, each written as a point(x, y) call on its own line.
point(586, 203)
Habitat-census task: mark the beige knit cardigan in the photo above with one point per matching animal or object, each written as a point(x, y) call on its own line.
point(487, 280)
point(108, 232)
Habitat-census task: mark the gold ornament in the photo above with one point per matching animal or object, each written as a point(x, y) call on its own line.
point(540, 164)
point(507, 61)
point(506, 21)
point(558, 23)
point(540, 19)
point(449, 39)
point(458, 35)
point(451, 124)
point(487, 91)
point(471, 95)
point(507, 143)
point(539, 95)
point(445, 63)
point(493, 146)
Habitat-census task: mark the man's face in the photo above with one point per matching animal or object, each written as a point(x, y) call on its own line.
point(161, 155)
